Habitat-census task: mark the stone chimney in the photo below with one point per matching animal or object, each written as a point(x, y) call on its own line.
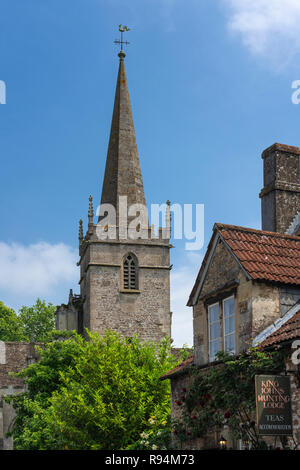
point(280, 197)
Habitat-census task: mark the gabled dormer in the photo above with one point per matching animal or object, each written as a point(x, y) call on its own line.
point(248, 279)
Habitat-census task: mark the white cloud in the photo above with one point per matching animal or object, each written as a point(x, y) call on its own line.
point(36, 270)
point(49, 271)
point(182, 281)
point(269, 28)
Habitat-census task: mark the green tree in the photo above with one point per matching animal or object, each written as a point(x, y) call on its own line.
point(38, 321)
point(11, 326)
point(42, 379)
point(96, 394)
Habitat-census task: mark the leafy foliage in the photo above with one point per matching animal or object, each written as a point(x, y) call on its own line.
point(156, 435)
point(42, 379)
point(224, 394)
point(11, 326)
point(96, 394)
point(35, 323)
point(38, 321)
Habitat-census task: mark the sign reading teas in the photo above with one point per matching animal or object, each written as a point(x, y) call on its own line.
point(273, 405)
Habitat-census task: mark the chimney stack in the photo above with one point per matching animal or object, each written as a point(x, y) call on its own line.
point(280, 197)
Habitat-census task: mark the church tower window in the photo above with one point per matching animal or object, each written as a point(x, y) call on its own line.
point(130, 272)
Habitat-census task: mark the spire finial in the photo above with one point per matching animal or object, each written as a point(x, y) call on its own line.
point(121, 41)
point(80, 236)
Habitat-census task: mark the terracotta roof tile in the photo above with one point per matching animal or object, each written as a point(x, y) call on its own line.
point(288, 331)
point(179, 368)
point(265, 256)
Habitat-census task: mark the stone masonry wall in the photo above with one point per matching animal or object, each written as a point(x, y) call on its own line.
point(281, 193)
point(108, 306)
point(266, 306)
point(295, 394)
point(211, 440)
point(13, 358)
point(178, 383)
point(288, 297)
point(257, 305)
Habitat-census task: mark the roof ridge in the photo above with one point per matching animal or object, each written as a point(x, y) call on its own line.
point(277, 325)
point(278, 246)
point(239, 228)
point(286, 331)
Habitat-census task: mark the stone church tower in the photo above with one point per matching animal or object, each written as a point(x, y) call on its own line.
point(124, 282)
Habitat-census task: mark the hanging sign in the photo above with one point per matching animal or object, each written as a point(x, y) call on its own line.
point(273, 405)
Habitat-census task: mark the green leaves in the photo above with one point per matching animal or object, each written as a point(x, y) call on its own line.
point(38, 321)
point(35, 323)
point(95, 394)
point(11, 326)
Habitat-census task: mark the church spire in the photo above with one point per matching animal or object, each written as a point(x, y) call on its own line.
point(122, 172)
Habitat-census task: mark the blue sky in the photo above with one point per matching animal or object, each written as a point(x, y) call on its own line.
point(210, 84)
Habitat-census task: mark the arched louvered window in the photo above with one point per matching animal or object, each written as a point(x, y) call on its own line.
point(130, 272)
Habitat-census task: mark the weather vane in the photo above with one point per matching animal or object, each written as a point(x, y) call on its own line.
point(121, 42)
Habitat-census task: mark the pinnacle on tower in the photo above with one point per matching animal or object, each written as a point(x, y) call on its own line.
point(91, 215)
point(80, 235)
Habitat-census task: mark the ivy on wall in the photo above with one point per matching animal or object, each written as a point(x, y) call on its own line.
point(224, 394)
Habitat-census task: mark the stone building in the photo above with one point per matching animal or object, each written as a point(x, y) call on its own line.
point(249, 281)
point(124, 280)
point(13, 358)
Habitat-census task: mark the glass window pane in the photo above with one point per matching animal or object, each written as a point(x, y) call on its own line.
point(215, 331)
point(214, 313)
point(228, 307)
point(229, 325)
point(215, 346)
point(230, 343)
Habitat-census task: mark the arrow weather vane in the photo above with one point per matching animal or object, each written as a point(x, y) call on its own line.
point(121, 42)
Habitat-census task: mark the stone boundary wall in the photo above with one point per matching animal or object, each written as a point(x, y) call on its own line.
point(14, 356)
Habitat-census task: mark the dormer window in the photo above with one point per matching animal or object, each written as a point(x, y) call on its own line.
point(130, 272)
point(221, 327)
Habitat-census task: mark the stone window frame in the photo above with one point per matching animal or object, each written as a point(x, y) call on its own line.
point(127, 286)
